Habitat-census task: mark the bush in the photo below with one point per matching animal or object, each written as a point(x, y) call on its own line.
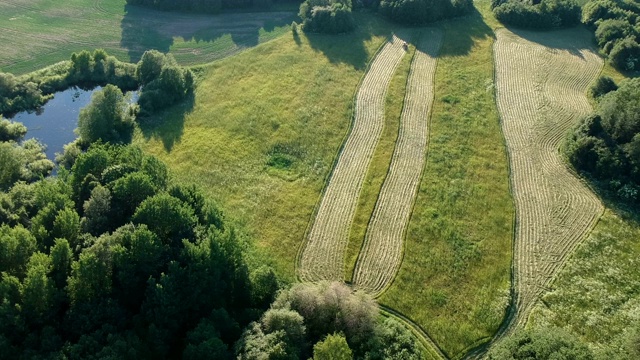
point(11, 131)
point(327, 16)
point(547, 14)
point(602, 86)
point(625, 54)
point(544, 344)
point(424, 11)
point(107, 117)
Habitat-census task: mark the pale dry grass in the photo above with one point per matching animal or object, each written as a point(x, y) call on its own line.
point(323, 255)
point(381, 254)
point(541, 82)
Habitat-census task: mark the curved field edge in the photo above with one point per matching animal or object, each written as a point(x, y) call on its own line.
point(379, 164)
point(324, 251)
point(264, 130)
point(455, 277)
point(40, 32)
point(382, 252)
point(542, 79)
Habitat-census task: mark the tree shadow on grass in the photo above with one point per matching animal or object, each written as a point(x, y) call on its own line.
point(574, 40)
point(462, 33)
point(144, 29)
point(168, 125)
point(352, 51)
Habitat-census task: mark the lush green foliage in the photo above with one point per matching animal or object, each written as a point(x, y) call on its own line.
point(32, 90)
point(617, 30)
point(11, 131)
point(327, 16)
point(544, 14)
point(602, 86)
point(164, 83)
point(544, 344)
point(105, 261)
point(108, 117)
point(424, 11)
point(308, 314)
point(333, 347)
point(606, 144)
point(25, 161)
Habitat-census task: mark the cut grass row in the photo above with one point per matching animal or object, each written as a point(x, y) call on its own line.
point(379, 165)
point(324, 250)
point(262, 134)
point(541, 81)
point(38, 33)
point(382, 252)
point(455, 277)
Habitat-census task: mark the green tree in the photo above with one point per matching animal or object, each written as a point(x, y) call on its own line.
point(96, 211)
point(264, 286)
point(107, 117)
point(11, 165)
point(90, 278)
point(169, 218)
point(150, 66)
point(333, 347)
point(16, 247)
point(67, 225)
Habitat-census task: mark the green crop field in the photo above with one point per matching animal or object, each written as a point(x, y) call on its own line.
point(38, 33)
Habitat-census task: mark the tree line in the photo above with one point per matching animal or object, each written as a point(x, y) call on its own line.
point(537, 14)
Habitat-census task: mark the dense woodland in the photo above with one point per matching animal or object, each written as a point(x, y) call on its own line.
point(537, 14)
point(617, 30)
point(606, 144)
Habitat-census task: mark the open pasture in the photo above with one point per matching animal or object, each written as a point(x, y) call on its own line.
point(39, 33)
point(381, 254)
point(541, 84)
point(323, 255)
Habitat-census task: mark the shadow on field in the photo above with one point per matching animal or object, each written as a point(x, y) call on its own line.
point(144, 29)
point(462, 33)
point(569, 39)
point(355, 53)
point(167, 126)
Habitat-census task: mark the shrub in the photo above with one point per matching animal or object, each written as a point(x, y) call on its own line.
point(327, 16)
point(423, 11)
point(602, 86)
point(544, 344)
point(11, 131)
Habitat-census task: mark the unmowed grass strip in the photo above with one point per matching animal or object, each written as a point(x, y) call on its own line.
point(39, 33)
point(379, 164)
point(264, 130)
point(455, 277)
point(596, 296)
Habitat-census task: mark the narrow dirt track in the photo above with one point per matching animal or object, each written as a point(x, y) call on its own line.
point(541, 82)
point(323, 255)
point(381, 254)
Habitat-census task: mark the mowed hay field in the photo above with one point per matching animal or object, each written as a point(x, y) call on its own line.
point(381, 253)
point(455, 276)
point(324, 252)
point(264, 130)
point(541, 84)
point(38, 33)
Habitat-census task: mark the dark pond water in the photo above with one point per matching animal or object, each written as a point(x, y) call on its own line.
point(55, 122)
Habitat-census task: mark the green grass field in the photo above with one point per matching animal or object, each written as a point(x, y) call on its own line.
point(124, 31)
point(455, 277)
point(597, 295)
point(264, 130)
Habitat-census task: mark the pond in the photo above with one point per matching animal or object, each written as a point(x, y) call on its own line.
point(54, 124)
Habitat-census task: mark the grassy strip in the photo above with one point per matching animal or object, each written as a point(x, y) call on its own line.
point(379, 165)
point(455, 277)
point(38, 33)
point(264, 130)
point(596, 296)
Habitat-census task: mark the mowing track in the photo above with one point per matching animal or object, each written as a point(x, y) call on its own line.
point(381, 254)
point(541, 81)
point(323, 255)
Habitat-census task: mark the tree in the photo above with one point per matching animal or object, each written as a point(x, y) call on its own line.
point(106, 118)
point(333, 347)
point(11, 131)
point(264, 286)
point(96, 211)
point(11, 165)
point(16, 247)
point(169, 218)
point(150, 66)
point(540, 344)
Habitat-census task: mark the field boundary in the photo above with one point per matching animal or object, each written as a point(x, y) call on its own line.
point(424, 338)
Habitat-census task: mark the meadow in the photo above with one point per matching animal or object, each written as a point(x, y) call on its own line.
point(124, 31)
point(273, 110)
